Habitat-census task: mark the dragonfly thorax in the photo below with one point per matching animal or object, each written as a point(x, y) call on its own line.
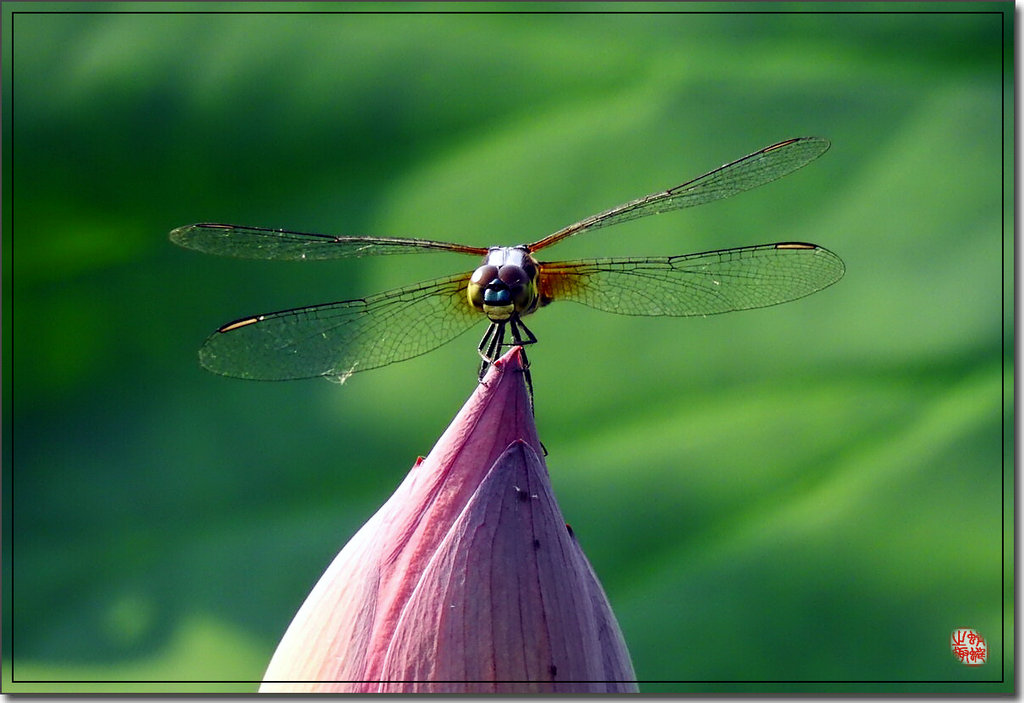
point(505, 284)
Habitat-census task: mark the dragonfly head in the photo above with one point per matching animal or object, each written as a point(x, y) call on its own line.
point(505, 284)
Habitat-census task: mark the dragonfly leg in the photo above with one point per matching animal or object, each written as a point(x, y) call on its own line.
point(490, 346)
point(485, 340)
point(494, 340)
point(517, 340)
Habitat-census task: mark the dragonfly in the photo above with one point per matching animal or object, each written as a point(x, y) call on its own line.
point(336, 340)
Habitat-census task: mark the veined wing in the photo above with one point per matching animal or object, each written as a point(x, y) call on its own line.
point(280, 244)
point(751, 171)
point(694, 284)
point(339, 339)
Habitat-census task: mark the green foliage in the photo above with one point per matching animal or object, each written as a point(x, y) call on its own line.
point(817, 492)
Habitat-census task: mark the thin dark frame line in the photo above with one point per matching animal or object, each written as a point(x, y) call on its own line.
point(1001, 14)
point(1002, 347)
point(525, 681)
point(11, 205)
point(500, 12)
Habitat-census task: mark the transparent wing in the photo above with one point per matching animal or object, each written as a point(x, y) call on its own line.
point(339, 339)
point(695, 284)
point(280, 244)
point(751, 171)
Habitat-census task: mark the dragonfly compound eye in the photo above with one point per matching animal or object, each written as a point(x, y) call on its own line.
point(478, 284)
point(518, 282)
point(513, 276)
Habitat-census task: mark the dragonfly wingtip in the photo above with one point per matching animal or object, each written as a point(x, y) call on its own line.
point(178, 234)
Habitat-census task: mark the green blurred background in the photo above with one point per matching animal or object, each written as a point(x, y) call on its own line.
point(813, 493)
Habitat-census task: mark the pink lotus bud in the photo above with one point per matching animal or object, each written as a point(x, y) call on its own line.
point(466, 581)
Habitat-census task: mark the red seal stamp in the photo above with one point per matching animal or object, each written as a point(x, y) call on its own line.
point(968, 646)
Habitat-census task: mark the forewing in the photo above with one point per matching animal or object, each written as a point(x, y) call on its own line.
point(694, 284)
point(751, 171)
point(284, 245)
point(338, 339)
